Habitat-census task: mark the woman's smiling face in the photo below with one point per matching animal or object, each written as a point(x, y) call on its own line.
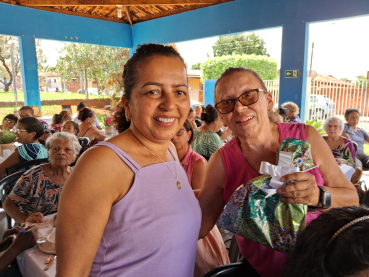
point(159, 101)
point(244, 120)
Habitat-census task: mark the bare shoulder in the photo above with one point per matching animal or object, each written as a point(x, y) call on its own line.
point(102, 166)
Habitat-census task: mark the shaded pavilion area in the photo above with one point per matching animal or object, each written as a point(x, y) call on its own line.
point(169, 21)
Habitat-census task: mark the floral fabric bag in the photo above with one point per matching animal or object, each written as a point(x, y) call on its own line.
point(258, 215)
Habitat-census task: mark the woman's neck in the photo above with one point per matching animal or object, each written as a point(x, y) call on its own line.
point(158, 148)
point(60, 170)
point(334, 138)
point(265, 139)
point(211, 127)
point(353, 127)
point(182, 152)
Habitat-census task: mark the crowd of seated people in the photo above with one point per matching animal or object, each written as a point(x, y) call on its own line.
point(162, 198)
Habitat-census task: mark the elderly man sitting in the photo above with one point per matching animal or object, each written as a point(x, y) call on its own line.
point(37, 192)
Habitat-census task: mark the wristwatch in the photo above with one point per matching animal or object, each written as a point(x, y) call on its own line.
point(325, 198)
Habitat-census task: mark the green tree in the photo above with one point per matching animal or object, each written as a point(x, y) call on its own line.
point(346, 80)
point(265, 66)
point(240, 44)
point(102, 64)
point(196, 66)
point(6, 76)
point(361, 81)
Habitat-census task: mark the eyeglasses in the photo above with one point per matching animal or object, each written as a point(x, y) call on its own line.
point(11, 122)
point(19, 130)
point(246, 99)
point(180, 132)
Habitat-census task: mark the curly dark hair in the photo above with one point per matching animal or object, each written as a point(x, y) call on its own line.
point(130, 73)
point(346, 255)
point(210, 115)
point(231, 70)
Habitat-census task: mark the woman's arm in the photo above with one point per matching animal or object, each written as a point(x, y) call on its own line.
point(211, 196)
point(198, 174)
point(13, 159)
point(12, 210)
point(85, 204)
point(305, 190)
point(98, 135)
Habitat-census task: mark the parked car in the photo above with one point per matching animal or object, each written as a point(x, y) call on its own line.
point(321, 106)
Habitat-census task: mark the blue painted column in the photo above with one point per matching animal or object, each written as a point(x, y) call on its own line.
point(294, 58)
point(27, 49)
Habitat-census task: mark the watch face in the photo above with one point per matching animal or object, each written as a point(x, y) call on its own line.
point(325, 198)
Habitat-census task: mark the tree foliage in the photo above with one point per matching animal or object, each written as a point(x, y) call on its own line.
point(239, 44)
point(102, 64)
point(196, 66)
point(6, 76)
point(265, 66)
point(361, 82)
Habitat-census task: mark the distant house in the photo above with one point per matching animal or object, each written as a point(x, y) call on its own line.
point(195, 86)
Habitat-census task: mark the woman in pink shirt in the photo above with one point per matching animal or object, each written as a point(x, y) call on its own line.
point(243, 104)
point(211, 251)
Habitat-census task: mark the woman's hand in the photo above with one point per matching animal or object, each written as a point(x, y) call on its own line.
point(341, 161)
point(303, 190)
point(35, 218)
point(26, 240)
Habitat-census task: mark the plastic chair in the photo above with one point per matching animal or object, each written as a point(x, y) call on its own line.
point(6, 186)
point(25, 166)
point(243, 269)
point(85, 143)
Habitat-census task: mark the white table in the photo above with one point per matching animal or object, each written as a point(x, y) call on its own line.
point(32, 261)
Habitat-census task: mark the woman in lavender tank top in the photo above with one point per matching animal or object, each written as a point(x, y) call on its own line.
point(243, 103)
point(127, 209)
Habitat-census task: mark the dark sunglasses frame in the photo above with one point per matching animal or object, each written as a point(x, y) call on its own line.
point(238, 99)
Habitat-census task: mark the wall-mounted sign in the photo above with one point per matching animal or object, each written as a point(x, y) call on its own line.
point(291, 74)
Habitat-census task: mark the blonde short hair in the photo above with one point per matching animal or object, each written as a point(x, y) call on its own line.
point(290, 106)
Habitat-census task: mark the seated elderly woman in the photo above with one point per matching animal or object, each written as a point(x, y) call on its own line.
point(9, 122)
point(292, 112)
point(342, 148)
point(358, 135)
point(334, 244)
point(59, 119)
point(87, 127)
point(37, 192)
point(243, 103)
point(27, 132)
point(211, 251)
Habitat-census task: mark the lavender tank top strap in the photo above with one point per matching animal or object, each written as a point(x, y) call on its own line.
point(125, 158)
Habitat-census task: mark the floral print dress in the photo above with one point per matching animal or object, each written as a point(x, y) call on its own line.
point(34, 192)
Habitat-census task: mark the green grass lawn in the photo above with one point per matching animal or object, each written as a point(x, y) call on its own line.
point(9, 96)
